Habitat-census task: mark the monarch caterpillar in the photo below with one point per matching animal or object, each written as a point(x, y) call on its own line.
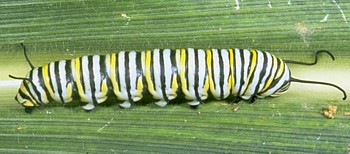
point(161, 74)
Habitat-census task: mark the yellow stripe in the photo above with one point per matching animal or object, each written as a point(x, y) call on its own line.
point(232, 76)
point(174, 84)
point(148, 73)
point(139, 87)
point(104, 90)
point(27, 93)
point(76, 63)
point(182, 72)
point(272, 72)
point(281, 69)
point(69, 92)
point(206, 85)
point(209, 59)
point(28, 103)
point(113, 78)
point(46, 78)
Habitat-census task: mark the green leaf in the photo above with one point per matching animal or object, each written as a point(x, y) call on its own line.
point(64, 29)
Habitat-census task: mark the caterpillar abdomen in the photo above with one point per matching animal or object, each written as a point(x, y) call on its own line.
point(161, 74)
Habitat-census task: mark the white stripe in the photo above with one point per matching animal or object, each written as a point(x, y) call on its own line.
point(216, 76)
point(143, 61)
point(238, 67)
point(246, 56)
point(53, 82)
point(63, 81)
point(267, 72)
point(97, 78)
point(191, 65)
point(107, 63)
point(122, 81)
point(202, 74)
point(73, 69)
point(86, 78)
point(255, 76)
point(20, 98)
point(156, 70)
point(36, 81)
point(226, 65)
point(178, 61)
point(168, 73)
point(133, 76)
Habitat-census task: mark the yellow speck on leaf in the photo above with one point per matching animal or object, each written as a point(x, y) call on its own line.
point(329, 111)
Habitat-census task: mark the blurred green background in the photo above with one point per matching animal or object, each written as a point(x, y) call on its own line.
point(292, 29)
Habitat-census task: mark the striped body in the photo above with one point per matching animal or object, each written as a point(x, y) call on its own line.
point(161, 74)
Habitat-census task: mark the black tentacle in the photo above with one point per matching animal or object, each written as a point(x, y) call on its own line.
point(311, 63)
point(322, 83)
point(26, 56)
point(20, 78)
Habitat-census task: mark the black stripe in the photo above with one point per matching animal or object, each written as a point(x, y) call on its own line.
point(196, 74)
point(24, 96)
point(280, 61)
point(186, 69)
point(103, 71)
point(91, 78)
point(272, 74)
point(117, 70)
point(127, 75)
point(162, 75)
point(69, 73)
point(102, 63)
point(222, 76)
point(262, 72)
point(70, 79)
point(234, 71)
point(206, 76)
point(58, 80)
point(37, 93)
point(30, 93)
point(42, 84)
point(139, 70)
point(276, 81)
point(250, 65)
point(82, 74)
point(108, 78)
point(152, 75)
point(139, 64)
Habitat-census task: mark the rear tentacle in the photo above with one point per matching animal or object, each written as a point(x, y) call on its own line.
point(311, 63)
point(321, 83)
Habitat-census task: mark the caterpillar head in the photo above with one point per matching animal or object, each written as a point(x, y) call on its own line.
point(25, 95)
